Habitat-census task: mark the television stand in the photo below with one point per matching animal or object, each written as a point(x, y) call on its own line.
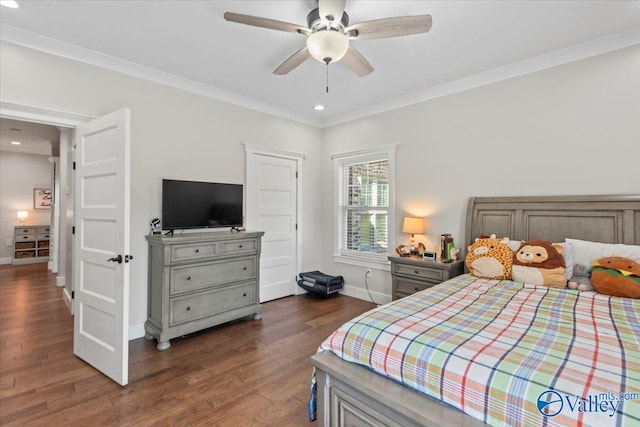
point(200, 280)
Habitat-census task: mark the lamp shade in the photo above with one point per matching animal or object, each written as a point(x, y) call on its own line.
point(413, 225)
point(23, 214)
point(327, 45)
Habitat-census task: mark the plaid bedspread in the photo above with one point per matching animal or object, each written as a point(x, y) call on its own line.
point(506, 352)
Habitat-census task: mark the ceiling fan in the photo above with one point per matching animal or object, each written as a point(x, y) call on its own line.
point(328, 34)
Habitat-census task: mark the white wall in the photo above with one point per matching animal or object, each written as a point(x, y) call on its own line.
point(174, 134)
point(571, 129)
point(19, 174)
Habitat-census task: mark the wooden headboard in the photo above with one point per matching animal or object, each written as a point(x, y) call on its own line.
point(607, 219)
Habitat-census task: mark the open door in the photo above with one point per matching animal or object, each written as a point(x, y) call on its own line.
point(101, 249)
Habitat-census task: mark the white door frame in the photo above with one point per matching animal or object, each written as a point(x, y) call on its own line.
point(51, 117)
point(250, 195)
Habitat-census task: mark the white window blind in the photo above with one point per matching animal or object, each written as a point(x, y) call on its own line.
point(364, 205)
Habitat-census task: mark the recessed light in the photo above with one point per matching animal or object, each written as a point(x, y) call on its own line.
point(9, 3)
point(16, 143)
point(318, 107)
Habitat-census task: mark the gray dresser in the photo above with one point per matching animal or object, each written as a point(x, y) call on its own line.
point(199, 280)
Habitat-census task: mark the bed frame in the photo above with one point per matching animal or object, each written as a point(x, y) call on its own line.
point(351, 395)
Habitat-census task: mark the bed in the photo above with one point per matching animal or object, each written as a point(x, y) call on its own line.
point(574, 355)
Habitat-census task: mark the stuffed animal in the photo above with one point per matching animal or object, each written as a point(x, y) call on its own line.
point(581, 279)
point(539, 262)
point(616, 276)
point(490, 258)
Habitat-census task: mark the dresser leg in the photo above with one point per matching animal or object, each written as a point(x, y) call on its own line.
point(257, 316)
point(163, 345)
point(148, 336)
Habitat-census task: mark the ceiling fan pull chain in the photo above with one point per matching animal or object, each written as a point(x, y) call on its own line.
point(327, 77)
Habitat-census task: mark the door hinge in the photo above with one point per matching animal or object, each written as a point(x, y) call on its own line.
point(74, 165)
point(73, 229)
point(296, 226)
point(296, 174)
point(73, 294)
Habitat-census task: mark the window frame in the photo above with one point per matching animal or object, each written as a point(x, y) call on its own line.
point(363, 259)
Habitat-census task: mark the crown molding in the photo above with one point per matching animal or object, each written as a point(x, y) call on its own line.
point(571, 54)
point(55, 47)
point(70, 51)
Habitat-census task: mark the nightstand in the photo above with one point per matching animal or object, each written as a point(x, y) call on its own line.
point(412, 274)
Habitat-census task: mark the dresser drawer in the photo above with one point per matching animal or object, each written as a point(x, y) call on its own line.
point(193, 251)
point(27, 230)
point(44, 230)
point(200, 276)
point(236, 247)
point(198, 306)
point(418, 272)
point(25, 238)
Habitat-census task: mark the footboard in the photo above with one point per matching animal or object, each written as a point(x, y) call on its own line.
point(349, 394)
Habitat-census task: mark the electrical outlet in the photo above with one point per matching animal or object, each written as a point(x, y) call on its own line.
point(368, 272)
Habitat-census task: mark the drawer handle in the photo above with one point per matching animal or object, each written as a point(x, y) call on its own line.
point(197, 250)
point(188, 307)
point(416, 289)
point(188, 277)
point(240, 246)
point(415, 271)
point(244, 295)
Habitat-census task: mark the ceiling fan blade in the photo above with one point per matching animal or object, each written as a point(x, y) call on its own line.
point(356, 62)
point(272, 24)
point(292, 62)
point(390, 27)
point(331, 10)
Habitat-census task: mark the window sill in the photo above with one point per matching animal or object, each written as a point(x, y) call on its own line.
point(378, 263)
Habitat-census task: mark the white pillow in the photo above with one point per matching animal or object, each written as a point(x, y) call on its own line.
point(585, 252)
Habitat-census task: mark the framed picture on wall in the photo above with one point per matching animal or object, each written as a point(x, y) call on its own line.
point(41, 198)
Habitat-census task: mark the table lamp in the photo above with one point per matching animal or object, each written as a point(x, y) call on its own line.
point(413, 225)
point(22, 217)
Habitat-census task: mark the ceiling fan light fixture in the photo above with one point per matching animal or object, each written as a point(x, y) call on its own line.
point(327, 46)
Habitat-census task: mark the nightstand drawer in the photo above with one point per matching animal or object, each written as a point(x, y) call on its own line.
point(418, 272)
point(406, 287)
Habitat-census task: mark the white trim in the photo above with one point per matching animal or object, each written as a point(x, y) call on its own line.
point(67, 50)
point(527, 66)
point(360, 292)
point(60, 281)
point(6, 260)
point(254, 149)
point(376, 261)
point(42, 115)
point(67, 300)
point(136, 331)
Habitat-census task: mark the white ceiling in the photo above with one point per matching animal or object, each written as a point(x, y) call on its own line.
point(193, 47)
point(34, 138)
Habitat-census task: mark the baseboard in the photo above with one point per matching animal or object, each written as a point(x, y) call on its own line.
point(6, 260)
point(136, 331)
point(67, 300)
point(60, 281)
point(361, 293)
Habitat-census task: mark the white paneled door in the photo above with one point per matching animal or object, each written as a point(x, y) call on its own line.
point(272, 207)
point(101, 245)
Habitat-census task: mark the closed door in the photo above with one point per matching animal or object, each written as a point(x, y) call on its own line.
point(272, 207)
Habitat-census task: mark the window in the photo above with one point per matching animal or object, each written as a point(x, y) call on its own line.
point(364, 202)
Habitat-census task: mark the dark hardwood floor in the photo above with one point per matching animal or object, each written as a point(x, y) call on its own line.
point(242, 373)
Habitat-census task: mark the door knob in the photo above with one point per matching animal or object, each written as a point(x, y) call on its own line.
point(117, 259)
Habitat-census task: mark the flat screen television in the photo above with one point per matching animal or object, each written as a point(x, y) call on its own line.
point(193, 204)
